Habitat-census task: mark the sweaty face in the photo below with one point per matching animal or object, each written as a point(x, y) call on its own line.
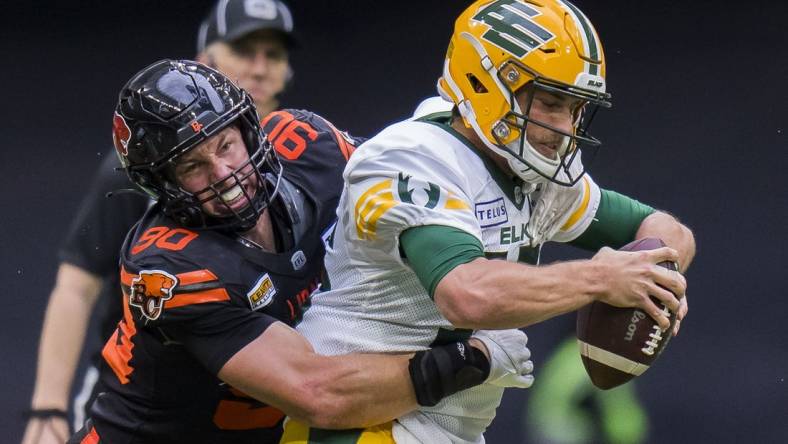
point(218, 173)
point(551, 109)
point(257, 62)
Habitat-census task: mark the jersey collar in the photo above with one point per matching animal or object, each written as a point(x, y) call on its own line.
point(511, 186)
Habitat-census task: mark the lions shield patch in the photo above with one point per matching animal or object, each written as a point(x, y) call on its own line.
point(150, 289)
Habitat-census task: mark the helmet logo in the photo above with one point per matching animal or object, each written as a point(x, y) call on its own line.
point(507, 20)
point(298, 260)
point(150, 290)
point(196, 126)
point(120, 135)
point(260, 9)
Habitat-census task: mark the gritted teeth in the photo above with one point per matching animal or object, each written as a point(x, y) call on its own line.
point(231, 194)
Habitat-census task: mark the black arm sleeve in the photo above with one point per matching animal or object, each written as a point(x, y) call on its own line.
point(215, 332)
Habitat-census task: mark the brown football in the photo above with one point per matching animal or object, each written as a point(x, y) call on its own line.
point(617, 344)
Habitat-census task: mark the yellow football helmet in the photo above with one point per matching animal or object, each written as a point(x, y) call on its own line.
point(500, 46)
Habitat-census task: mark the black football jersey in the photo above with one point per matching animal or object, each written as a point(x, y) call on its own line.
point(194, 298)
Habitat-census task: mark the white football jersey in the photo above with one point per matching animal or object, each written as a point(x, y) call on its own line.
point(418, 173)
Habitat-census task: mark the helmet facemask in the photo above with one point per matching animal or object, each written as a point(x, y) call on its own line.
point(500, 47)
point(524, 159)
point(262, 168)
point(170, 109)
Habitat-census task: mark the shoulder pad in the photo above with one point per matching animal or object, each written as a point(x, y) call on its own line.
point(166, 266)
point(298, 133)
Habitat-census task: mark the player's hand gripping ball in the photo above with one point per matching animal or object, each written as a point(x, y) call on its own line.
point(618, 344)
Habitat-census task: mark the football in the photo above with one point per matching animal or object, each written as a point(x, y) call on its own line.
point(618, 344)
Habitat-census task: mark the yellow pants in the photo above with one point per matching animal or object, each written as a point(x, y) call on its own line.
point(299, 433)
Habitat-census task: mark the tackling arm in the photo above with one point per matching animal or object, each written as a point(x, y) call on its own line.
point(334, 392)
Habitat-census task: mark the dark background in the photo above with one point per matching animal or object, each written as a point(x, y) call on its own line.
point(698, 127)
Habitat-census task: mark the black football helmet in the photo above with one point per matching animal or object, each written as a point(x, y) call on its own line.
point(166, 110)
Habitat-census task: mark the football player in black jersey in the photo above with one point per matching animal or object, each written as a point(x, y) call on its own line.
point(218, 270)
point(250, 42)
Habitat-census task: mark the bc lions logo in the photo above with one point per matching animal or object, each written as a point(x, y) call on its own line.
point(121, 135)
point(150, 290)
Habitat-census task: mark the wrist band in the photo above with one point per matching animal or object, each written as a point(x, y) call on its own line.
point(45, 413)
point(442, 371)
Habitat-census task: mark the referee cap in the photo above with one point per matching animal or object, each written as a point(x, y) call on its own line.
point(232, 19)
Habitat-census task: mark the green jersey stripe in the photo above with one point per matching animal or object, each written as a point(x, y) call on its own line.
point(322, 436)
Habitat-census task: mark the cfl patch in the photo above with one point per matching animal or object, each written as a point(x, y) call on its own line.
point(298, 260)
point(262, 293)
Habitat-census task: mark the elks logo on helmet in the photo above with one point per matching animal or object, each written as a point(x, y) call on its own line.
point(150, 289)
point(508, 20)
point(121, 135)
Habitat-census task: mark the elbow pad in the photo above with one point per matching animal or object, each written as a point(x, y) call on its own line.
point(442, 371)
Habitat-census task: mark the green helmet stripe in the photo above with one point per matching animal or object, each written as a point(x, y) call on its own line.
point(590, 37)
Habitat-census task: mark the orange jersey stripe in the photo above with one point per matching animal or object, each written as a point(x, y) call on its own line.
point(243, 412)
point(126, 277)
point(346, 148)
point(119, 348)
point(196, 277)
point(182, 299)
point(192, 277)
point(91, 438)
point(198, 297)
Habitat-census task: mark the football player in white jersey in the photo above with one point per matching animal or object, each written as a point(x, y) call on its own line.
point(437, 212)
